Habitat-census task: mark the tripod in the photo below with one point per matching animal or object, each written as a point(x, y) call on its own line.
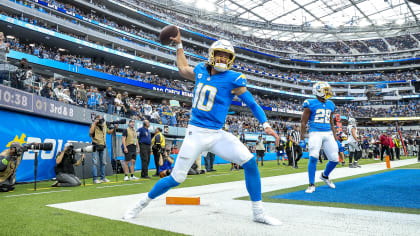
point(35, 167)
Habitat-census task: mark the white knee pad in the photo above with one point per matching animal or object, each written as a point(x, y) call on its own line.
point(179, 176)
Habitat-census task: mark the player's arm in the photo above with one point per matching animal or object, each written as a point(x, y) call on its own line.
point(353, 132)
point(333, 126)
point(256, 109)
point(303, 121)
point(185, 70)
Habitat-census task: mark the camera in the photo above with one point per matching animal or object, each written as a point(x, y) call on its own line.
point(115, 122)
point(37, 146)
point(87, 149)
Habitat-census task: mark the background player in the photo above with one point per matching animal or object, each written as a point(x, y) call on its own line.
point(215, 88)
point(340, 138)
point(322, 132)
point(353, 141)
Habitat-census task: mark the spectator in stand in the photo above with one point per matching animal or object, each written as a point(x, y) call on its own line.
point(91, 98)
point(20, 74)
point(119, 106)
point(110, 100)
point(47, 91)
point(147, 110)
point(83, 95)
point(155, 118)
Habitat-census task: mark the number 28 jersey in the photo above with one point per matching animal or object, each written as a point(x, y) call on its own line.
point(213, 96)
point(319, 121)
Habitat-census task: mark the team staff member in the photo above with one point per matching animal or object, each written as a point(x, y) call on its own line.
point(131, 148)
point(97, 132)
point(158, 145)
point(384, 145)
point(144, 143)
point(260, 150)
point(296, 148)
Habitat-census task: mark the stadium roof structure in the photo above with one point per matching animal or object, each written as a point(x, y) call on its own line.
point(305, 20)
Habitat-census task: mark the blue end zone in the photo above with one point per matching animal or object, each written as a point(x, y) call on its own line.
point(398, 188)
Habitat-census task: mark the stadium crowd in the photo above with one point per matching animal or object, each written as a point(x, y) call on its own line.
point(86, 62)
point(400, 42)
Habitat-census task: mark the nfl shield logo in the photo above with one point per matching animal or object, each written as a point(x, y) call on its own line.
point(200, 75)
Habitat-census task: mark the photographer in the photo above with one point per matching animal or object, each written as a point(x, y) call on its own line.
point(64, 169)
point(97, 132)
point(131, 148)
point(165, 164)
point(9, 162)
point(158, 146)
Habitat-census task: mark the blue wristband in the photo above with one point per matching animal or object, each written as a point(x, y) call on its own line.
point(258, 112)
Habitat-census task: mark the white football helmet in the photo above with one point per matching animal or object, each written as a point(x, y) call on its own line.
point(322, 90)
point(224, 46)
point(352, 121)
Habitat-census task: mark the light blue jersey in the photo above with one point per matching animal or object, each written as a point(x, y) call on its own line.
point(213, 96)
point(319, 121)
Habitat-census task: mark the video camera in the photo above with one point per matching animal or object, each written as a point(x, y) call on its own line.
point(112, 123)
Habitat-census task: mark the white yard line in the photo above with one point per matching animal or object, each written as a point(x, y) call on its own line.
point(120, 185)
point(219, 214)
point(28, 194)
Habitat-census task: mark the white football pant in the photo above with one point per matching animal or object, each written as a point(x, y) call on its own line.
point(325, 140)
point(219, 142)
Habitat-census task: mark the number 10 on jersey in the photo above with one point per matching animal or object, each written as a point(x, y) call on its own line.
point(322, 116)
point(201, 93)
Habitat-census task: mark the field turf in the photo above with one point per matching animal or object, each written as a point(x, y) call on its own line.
point(25, 211)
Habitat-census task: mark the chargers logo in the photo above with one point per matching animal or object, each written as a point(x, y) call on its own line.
point(20, 140)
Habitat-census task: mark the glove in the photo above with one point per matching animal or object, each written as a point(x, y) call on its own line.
point(302, 144)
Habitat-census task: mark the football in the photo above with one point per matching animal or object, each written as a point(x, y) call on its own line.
point(167, 32)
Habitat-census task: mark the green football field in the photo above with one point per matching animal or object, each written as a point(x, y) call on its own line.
point(25, 211)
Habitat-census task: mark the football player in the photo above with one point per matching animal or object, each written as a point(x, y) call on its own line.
point(215, 88)
point(319, 113)
point(354, 140)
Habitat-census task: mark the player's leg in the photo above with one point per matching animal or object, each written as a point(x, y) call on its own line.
point(314, 146)
point(352, 153)
point(357, 155)
point(193, 145)
point(331, 151)
point(239, 154)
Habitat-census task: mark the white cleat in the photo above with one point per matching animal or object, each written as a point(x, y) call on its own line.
point(310, 189)
point(264, 219)
point(134, 178)
point(327, 181)
point(133, 212)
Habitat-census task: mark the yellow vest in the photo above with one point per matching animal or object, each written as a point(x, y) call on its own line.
point(131, 137)
point(8, 171)
point(162, 140)
point(99, 136)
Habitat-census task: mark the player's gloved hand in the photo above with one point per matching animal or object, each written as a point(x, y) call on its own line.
point(302, 144)
point(273, 133)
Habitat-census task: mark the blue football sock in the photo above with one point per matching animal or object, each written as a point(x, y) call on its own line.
point(330, 166)
point(252, 179)
point(312, 169)
point(162, 186)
